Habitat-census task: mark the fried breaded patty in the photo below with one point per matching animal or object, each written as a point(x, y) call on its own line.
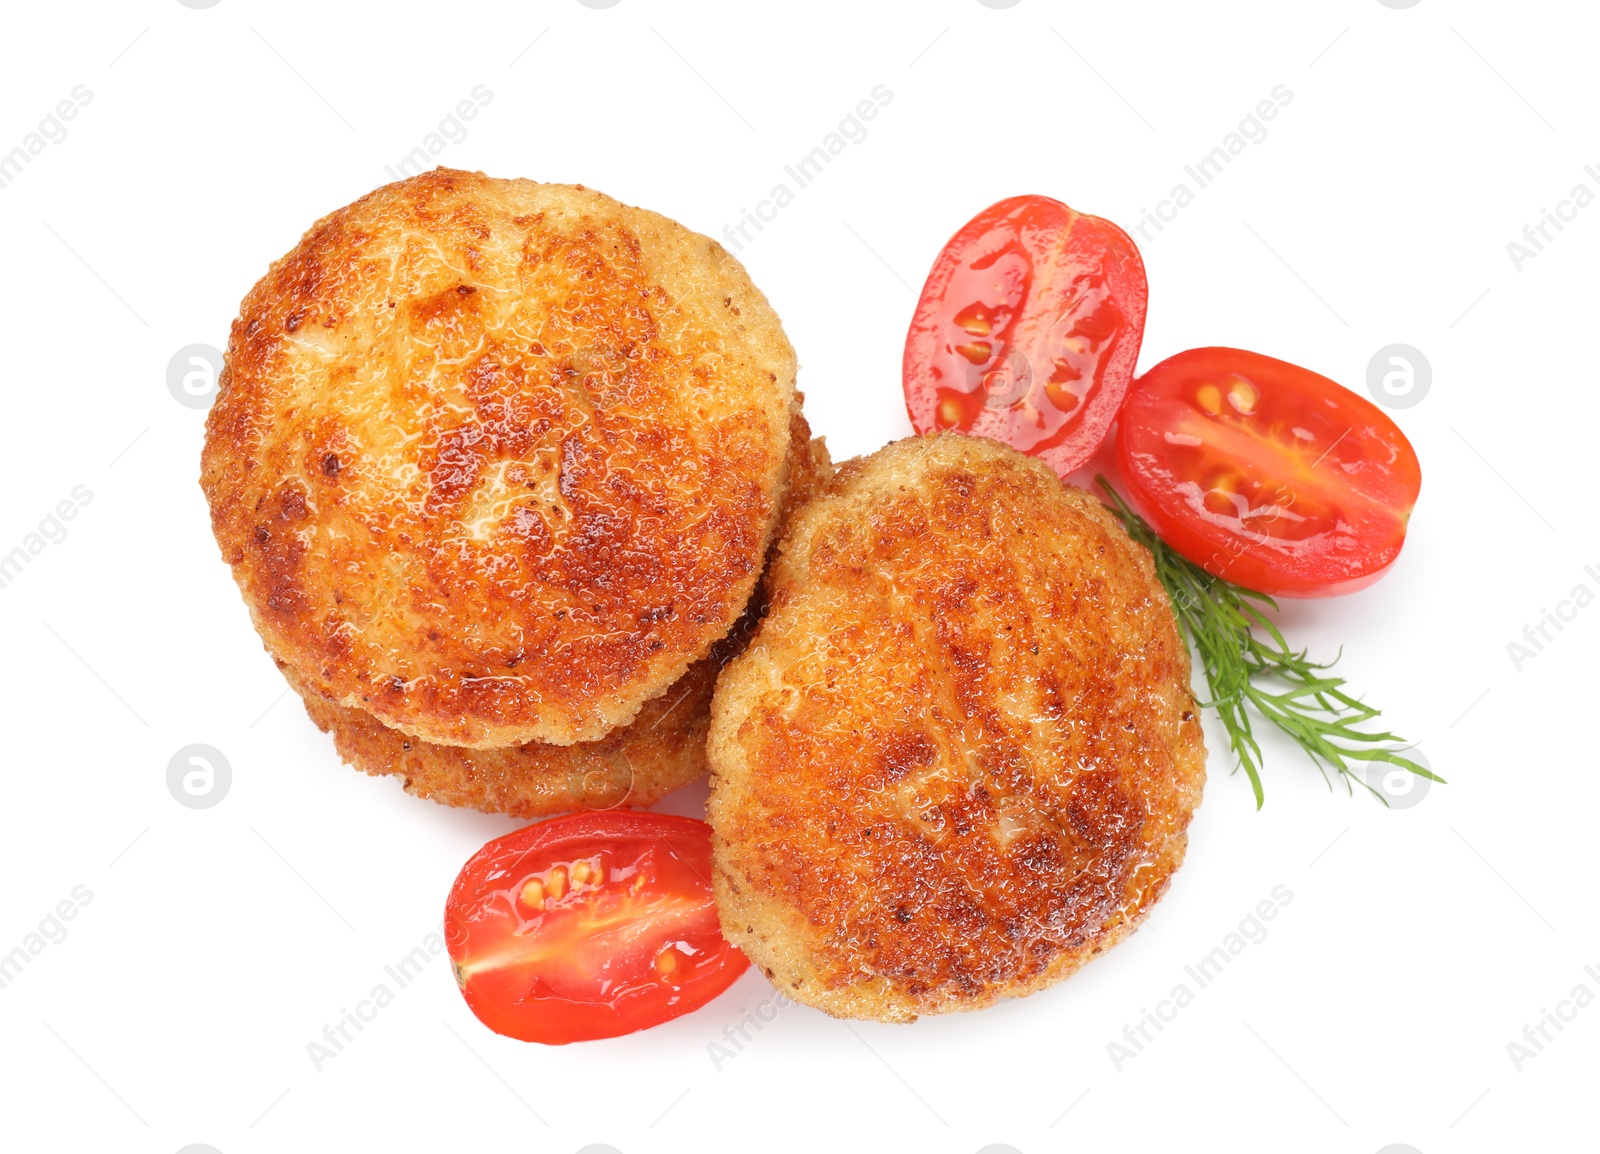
point(960, 755)
point(662, 749)
point(496, 460)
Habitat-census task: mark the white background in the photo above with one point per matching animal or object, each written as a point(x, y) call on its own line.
point(218, 942)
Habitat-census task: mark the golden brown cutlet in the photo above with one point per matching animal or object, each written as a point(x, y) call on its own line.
point(960, 755)
point(497, 461)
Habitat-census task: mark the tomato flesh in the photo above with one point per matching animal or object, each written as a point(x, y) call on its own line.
point(1267, 474)
point(1027, 330)
point(589, 926)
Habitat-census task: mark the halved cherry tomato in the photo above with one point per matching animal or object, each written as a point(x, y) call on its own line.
point(1265, 473)
point(589, 926)
point(1027, 330)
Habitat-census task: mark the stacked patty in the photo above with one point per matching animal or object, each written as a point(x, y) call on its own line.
point(496, 465)
point(637, 764)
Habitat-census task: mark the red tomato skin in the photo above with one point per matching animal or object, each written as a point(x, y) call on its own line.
point(504, 999)
point(1069, 279)
point(1381, 473)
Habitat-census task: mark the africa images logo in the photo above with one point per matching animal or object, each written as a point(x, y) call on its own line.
point(1251, 930)
point(1537, 236)
point(51, 130)
point(1551, 623)
point(51, 530)
point(850, 130)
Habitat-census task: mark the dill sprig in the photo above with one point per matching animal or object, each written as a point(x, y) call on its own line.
point(1248, 665)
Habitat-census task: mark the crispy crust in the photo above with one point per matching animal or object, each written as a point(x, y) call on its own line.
point(633, 765)
point(960, 755)
point(807, 471)
point(498, 460)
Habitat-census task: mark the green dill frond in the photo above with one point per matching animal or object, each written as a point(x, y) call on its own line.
point(1249, 667)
